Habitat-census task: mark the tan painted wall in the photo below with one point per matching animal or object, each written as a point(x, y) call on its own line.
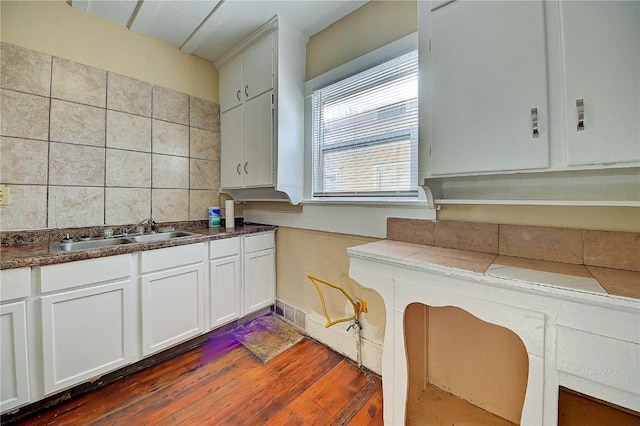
point(372, 26)
point(626, 219)
point(303, 252)
point(53, 27)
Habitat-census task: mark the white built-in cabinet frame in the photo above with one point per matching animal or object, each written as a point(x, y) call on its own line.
point(585, 342)
point(68, 323)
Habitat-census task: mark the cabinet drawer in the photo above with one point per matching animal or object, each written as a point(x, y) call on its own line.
point(76, 274)
point(253, 243)
point(16, 283)
point(171, 257)
point(224, 248)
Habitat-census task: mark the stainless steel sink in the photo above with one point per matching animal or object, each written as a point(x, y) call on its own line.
point(163, 236)
point(85, 245)
point(110, 242)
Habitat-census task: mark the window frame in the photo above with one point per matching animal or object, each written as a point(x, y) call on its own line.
point(376, 57)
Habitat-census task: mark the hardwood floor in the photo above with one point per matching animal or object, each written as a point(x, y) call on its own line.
point(222, 383)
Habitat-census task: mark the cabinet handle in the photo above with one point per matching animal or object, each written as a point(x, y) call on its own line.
point(246, 90)
point(238, 168)
point(245, 168)
point(580, 106)
point(238, 95)
point(534, 122)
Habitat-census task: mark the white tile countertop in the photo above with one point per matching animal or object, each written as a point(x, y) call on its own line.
point(537, 275)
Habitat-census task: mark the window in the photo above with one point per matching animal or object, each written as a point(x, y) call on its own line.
point(365, 133)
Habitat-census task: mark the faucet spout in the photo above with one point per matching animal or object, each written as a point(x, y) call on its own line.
point(153, 226)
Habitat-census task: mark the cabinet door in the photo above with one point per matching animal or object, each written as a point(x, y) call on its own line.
point(231, 148)
point(257, 166)
point(258, 68)
point(601, 43)
point(172, 307)
point(225, 290)
point(488, 71)
point(13, 356)
point(259, 280)
point(85, 333)
point(230, 84)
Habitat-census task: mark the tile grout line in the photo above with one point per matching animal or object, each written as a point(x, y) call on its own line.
point(48, 193)
point(104, 192)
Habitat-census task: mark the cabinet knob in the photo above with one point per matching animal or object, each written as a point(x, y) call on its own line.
point(580, 106)
point(246, 90)
point(238, 95)
point(534, 121)
point(238, 168)
point(245, 168)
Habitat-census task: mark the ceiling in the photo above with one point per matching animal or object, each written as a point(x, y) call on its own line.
point(211, 28)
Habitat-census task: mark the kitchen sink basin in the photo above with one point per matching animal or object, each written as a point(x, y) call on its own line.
point(91, 244)
point(163, 236)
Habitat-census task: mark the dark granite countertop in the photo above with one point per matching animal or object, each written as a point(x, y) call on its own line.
point(38, 254)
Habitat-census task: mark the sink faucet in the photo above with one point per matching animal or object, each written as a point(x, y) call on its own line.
point(153, 226)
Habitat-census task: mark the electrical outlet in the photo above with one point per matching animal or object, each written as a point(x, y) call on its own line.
point(4, 195)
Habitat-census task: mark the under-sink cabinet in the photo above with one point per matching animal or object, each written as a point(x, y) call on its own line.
point(14, 356)
point(86, 319)
point(225, 281)
point(172, 296)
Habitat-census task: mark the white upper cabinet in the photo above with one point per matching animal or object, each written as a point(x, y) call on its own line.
point(232, 148)
point(262, 115)
point(248, 75)
point(230, 78)
point(601, 50)
point(488, 72)
point(258, 68)
point(248, 144)
point(257, 163)
point(528, 86)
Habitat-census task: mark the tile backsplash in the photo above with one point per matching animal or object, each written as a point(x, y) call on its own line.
point(80, 146)
point(607, 249)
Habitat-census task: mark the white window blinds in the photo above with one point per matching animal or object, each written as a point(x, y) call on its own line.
point(365, 133)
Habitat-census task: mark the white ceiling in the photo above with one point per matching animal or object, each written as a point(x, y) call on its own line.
point(211, 28)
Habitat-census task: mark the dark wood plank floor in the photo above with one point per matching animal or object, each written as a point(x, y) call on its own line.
point(222, 383)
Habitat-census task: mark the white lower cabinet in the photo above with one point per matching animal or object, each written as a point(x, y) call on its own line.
point(259, 272)
point(87, 320)
point(14, 355)
point(172, 298)
point(68, 323)
point(225, 281)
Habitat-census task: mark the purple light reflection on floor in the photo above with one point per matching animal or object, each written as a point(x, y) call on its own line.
point(218, 346)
